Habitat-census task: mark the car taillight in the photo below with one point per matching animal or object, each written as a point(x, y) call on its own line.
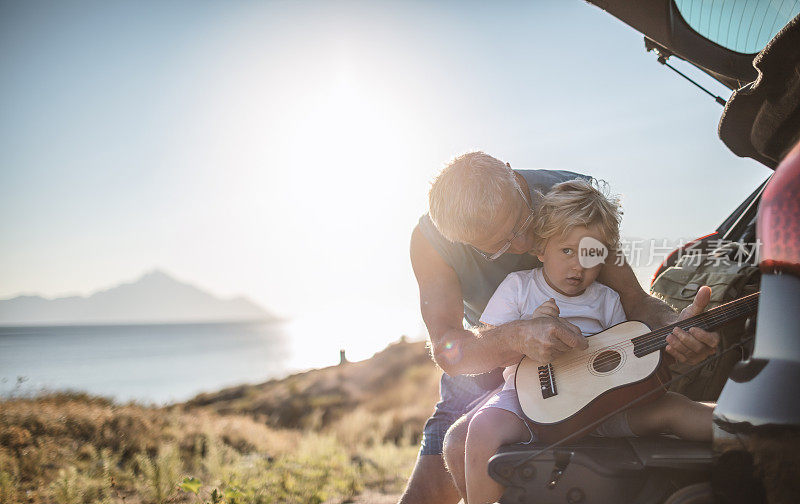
point(778, 228)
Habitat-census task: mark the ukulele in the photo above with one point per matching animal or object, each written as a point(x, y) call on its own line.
point(621, 363)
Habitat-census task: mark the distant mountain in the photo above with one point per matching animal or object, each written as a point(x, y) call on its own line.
point(154, 298)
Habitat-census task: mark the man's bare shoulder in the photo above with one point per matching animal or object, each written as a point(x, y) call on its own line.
point(423, 256)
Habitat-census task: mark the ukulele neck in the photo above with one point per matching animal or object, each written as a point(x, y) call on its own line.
point(656, 340)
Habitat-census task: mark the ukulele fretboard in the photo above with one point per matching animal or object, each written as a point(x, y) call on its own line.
point(656, 340)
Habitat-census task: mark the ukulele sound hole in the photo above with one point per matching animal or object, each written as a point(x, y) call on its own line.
point(606, 361)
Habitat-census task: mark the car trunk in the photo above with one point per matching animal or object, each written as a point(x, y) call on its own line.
point(761, 119)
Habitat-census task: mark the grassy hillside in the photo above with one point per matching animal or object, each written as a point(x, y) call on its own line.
point(324, 435)
point(383, 399)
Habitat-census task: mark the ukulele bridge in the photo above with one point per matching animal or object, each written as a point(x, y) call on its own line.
point(547, 380)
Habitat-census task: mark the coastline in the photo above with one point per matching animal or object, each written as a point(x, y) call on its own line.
point(346, 433)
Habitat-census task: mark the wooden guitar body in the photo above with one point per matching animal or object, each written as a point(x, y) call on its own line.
point(623, 363)
point(580, 387)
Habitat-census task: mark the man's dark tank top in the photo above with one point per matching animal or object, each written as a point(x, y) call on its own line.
point(480, 278)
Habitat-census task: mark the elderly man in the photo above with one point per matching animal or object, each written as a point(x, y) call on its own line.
point(478, 230)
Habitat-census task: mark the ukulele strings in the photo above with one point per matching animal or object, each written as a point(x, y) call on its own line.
point(657, 339)
point(652, 341)
point(704, 320)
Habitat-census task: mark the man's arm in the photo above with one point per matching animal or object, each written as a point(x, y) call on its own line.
point(638, 304)
point(460, 351)
point(688, 347)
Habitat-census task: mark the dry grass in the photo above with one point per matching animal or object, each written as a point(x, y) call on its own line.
point(323, 435)
point(385, 399)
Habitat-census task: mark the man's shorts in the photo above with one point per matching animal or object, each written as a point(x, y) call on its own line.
point(458, 395)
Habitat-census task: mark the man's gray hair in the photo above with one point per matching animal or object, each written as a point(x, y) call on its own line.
point(468, 194)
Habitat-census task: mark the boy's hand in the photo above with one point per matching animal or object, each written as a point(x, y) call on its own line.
point(547, 309)
point(547, 336)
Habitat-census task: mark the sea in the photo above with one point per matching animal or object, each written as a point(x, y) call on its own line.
point(146, 363)
point(165, 363)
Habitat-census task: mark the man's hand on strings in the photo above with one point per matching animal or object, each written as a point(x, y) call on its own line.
point(694, 345)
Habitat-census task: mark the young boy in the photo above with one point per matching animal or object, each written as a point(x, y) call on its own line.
point(571, 211)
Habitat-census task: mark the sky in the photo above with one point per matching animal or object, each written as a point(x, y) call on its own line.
point(283, 150)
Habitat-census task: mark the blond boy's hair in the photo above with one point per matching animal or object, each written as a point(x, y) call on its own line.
point(578, 203)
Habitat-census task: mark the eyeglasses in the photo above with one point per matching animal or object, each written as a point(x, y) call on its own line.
point(502, 250)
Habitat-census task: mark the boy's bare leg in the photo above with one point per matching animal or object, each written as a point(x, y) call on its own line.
point(673, 414)
point(455, 442)
point(488, 430)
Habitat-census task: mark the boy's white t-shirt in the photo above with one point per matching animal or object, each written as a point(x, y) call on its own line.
point(597, 309)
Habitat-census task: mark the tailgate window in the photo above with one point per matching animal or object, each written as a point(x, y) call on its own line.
point(744, 26)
